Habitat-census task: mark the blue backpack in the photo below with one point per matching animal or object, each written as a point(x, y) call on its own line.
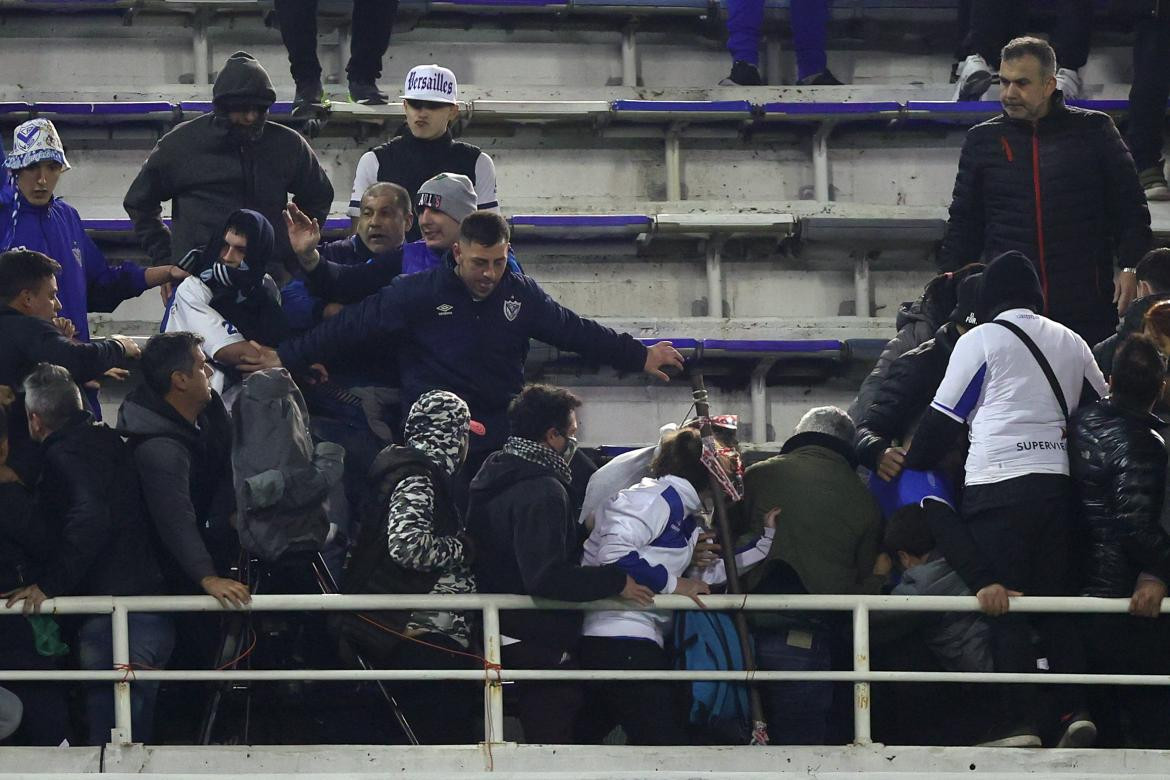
point(708, 641)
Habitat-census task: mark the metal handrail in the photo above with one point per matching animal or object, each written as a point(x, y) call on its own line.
point(120, 607)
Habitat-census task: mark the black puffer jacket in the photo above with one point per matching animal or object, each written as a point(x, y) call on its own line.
point(1119, 465)
point(917, 321)
point(902, 396)
point(88, 498)
point(1065, 193)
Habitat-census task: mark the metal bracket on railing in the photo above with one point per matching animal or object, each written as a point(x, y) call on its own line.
point(493, 694)
point(122, 733)
point(861, 695)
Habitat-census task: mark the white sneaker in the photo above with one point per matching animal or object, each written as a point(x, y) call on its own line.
point(974, 79)
point(1068, 81)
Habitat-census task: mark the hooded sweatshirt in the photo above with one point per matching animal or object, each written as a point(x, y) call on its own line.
point(208, 169)
point(437, 427)
point(186, 477)
point(228, 305)
point(86, 282)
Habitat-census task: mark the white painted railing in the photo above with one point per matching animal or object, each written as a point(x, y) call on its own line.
point(489, 605)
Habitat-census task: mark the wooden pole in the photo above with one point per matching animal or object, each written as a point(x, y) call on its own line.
point(727, 546)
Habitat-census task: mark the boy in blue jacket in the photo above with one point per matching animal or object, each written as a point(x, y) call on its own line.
point(33, 217)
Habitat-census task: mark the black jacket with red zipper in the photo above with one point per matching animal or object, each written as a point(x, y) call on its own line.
point(1065, 193)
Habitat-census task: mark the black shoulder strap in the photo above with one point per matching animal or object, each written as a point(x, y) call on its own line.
point(1045, 366)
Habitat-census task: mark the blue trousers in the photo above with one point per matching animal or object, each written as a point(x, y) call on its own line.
point(152, 638)
point(809, 20)
point(797, 712)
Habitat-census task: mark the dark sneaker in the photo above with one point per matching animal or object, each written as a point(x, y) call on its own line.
point(743, 74)
point(367, 93)
point(1153, 181)
point(974, 79)
point(1077, 731)
point(1021, 735)
point(823, 79)
point(309, 97)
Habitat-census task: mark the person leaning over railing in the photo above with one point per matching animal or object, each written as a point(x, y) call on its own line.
point(1014, 380)
point(88, 496)
point(826, 542)
point(650, 531)
point(525, 533)
point(182, 440)
point(1119, 463)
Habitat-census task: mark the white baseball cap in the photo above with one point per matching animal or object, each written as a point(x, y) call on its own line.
point(432, 83)
point(33, 141)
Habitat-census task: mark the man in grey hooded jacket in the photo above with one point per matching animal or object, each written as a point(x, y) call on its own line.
point(229, 158)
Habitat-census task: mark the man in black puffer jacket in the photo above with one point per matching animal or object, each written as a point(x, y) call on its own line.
point(1119, 463)
point(1056, 184)
point(907, 390)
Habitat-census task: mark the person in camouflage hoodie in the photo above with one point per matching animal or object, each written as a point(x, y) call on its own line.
point(438, 427)
point(425, 540)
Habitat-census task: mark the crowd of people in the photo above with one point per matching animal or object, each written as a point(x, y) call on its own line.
point(1003, 453)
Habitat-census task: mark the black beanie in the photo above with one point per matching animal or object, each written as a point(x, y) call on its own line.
point(242, 83)
point(967, 301)
point(1009, 279)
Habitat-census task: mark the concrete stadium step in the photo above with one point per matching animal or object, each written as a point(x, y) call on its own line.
point(582, 762)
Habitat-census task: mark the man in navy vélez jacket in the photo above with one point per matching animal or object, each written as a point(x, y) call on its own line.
point(465, 327)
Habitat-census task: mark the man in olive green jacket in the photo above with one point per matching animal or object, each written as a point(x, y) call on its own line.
point(826, 542)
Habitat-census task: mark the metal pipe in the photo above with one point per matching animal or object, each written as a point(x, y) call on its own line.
point(343, 54)
point(715, 276)
point(493, 693)
point(673, 163)
point(863, 287)
point(122, 733)
point(629, 55)
point(759, 390)
point(96, 605)
point(519, 675)
point(861, 693)
point(820, 158)
point(201, 46)
point(772, 53)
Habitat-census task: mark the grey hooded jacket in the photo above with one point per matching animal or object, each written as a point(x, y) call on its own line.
point(207, 171)
point(961, 641)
